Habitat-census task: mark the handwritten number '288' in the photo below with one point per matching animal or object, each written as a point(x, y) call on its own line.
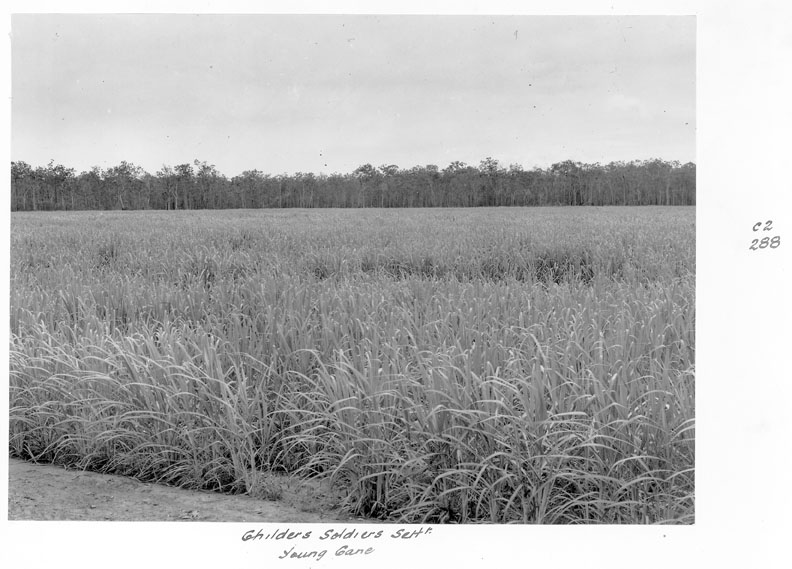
point(764, 243)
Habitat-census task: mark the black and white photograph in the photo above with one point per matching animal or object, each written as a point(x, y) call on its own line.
point(336, 283)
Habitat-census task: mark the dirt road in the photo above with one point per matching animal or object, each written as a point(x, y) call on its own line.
point(46, 492)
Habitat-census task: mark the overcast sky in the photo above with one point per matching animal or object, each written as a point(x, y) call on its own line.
point(329, 93)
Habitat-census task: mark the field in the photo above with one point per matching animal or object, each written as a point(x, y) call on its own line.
point(503, 365)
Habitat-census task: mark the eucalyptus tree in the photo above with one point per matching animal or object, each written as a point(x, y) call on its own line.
point(23, 188)
point(124, 183)
point(201, 185)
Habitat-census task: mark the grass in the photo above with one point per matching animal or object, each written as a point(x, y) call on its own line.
point(459, 365)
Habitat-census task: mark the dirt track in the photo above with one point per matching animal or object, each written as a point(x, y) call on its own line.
point(47, 492)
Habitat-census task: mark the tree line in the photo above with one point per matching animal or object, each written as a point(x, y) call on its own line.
point(200, 186)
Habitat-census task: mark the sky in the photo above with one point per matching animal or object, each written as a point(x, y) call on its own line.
point(324, 94)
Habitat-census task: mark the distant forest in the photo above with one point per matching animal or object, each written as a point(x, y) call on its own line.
point(200, 186)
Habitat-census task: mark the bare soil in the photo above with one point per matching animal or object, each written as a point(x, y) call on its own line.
point(48, 492)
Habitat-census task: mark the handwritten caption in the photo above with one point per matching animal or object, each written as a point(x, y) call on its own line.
point(771, 241)
point(344, 543)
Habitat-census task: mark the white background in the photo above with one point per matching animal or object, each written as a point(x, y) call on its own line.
point(744, 381)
